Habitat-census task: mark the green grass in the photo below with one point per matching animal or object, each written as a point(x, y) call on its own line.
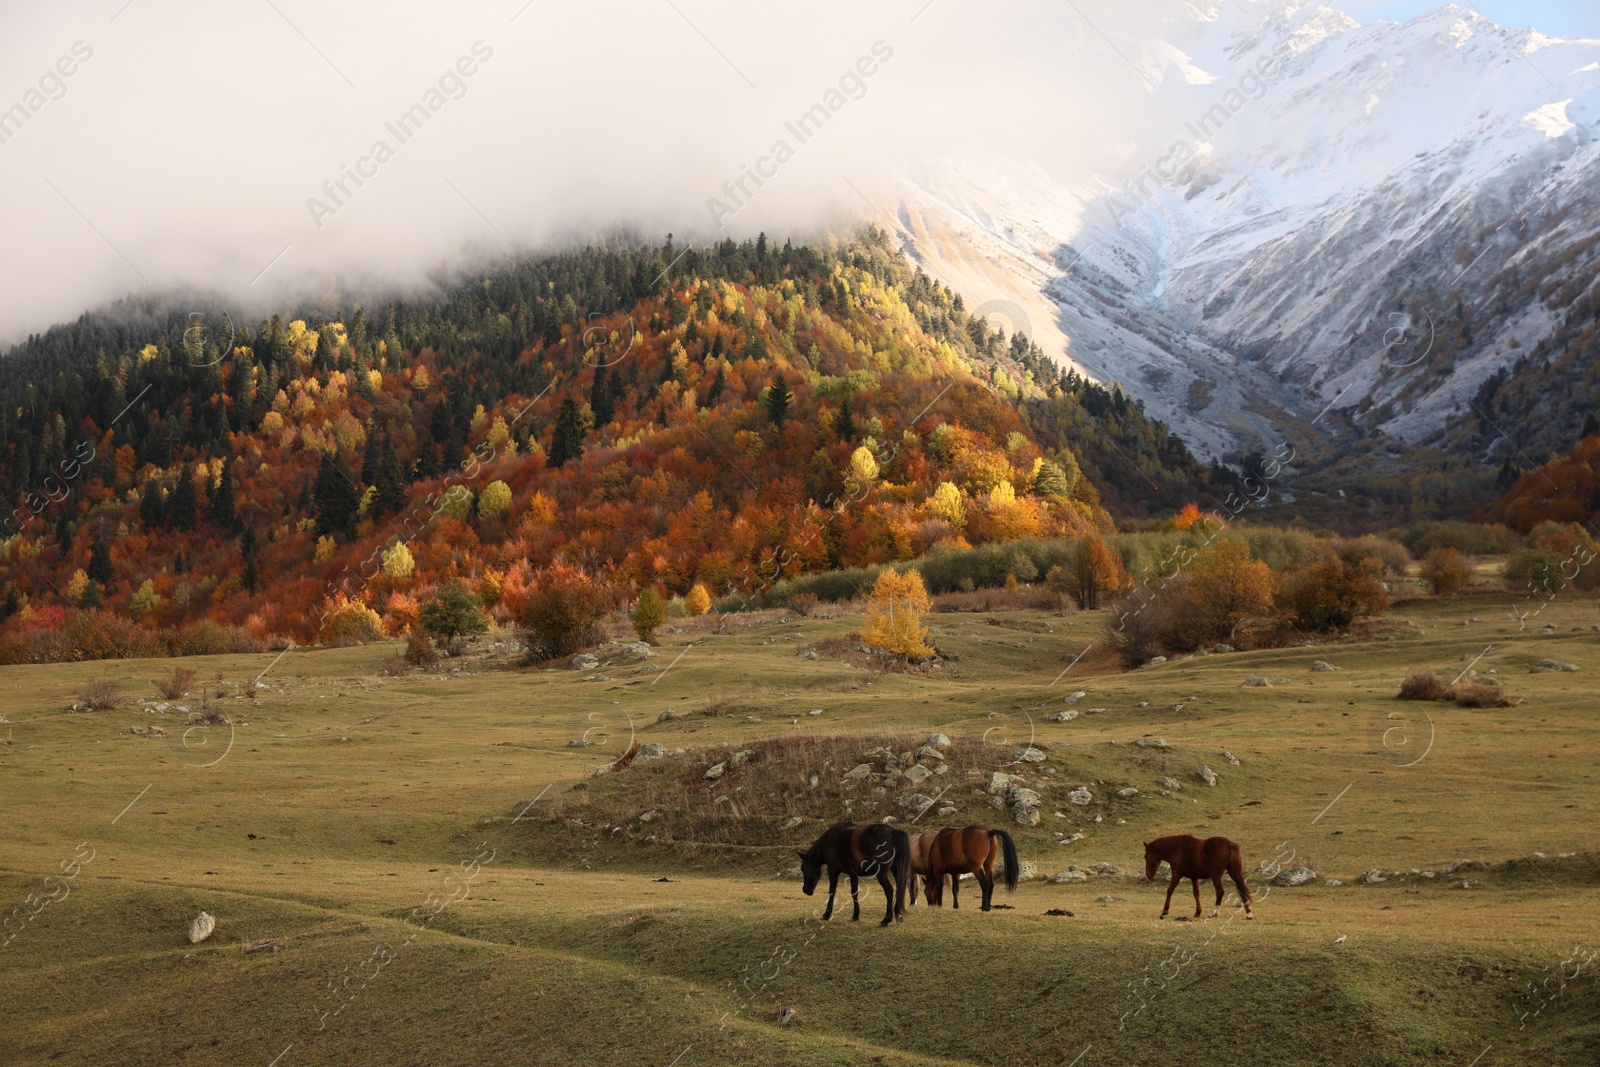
point(365, 793)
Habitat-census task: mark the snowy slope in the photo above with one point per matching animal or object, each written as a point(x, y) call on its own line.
point(1312, 202)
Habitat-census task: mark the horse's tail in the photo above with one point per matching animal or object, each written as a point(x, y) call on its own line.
point(901, 868)
point(1008, 849)
point(1236, 872)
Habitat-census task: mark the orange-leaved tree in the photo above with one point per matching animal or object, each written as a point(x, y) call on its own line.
point(1095, 572)
point(895, 612)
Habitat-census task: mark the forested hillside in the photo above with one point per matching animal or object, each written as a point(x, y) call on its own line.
point(734, 415)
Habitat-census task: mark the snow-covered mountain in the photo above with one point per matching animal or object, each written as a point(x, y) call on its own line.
point(1324, 221)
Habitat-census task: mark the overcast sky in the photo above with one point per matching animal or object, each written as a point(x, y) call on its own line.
point(155, 144)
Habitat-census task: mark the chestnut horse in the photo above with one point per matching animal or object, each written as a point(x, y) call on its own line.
point(1194, 859)
point(920, 844)
point(852, 850)
point(969, 850)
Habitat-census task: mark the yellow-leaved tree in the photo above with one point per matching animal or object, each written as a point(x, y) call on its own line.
point(894, 615)
point(698, 600)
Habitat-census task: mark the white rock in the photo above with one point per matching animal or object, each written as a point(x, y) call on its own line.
point(200, 928)
point(1080, 796)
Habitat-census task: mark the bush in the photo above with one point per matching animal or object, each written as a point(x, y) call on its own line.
point(1532, 568)
point(452, 615)
point(100, 694)
point(1333, 594)
point(1225, 589)
point(1471, 693)
point(1095, 572)
point(1445, 571)
point(649, 612)
point(1469, 537)
point(177, 684)
point(355, 624)
point(802, 604)
point(1423, 685)
point(563, 612)
point(894, 615)
point(1137, 628)
point(420, 650)
point(395, 666)
point(1392, 554)
point(206, 637)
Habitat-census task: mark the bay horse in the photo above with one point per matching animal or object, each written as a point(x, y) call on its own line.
point(920, 844)
point(878, 850)
point(1194, 859)
point(970, 850)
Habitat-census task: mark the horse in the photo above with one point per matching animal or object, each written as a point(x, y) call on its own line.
point(1195, 859)
point(852, 850)
point(920, 844)
point(969, 850)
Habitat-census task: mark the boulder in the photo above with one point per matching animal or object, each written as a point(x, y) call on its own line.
point(155, 731)
point(648, 752)
point(1230, 757)
point(929, 752)
point(1130, 791)
point(1106, 868)
point(1030, 755)
point(1073, 698)
point(1323, 665)
point(916, 775)
point(739, 757)
point(1372, 877)
point(1293, 876)
point(915, 802)
point(1022, 795)
point(1545, 666)
point(1207, 775)
point(1156, 661)
point(1080, 796)
point(1255, 681)
point(1151, 742)
point(638, 649)
point(200, 928)
point(1172, 784)
point(585, 661)
point(814, 711)
point(1000, 782)
point(1071, 874)
point(1027, 871)
point(1025, 815)
point(668, 716)
point(1062, 716)
point(939, 741)
point(714, 771)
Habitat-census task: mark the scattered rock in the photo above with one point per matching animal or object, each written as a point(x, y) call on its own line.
point(929, 752)
point(638, 648)
point(1230, 757)
point(200, 928)
point(1130, 791)
point(1293, 876)
point(812, 655)
point(859, 771)
point(1155, 661)
point(650, 816)
point(1322, 666)
point(1172, 784)
point(946, 809)
point(939, 741)
point(1151, 742)
point(814, 711)
point(585, 661)
point(1280, 681)
point(648, 752)
point(1073, 698)
point(739, 757)
point(1545, 666)
point(1255, 681)
point(1207, 775)
point(668, 716)
point(918, 774)
point(1335, 882)
point(1000, 782)
point(1030, 755)
point(1222, 648)
point(785, 1015)
point(1106, 868)
point(1020, 795)
point(915, 802)
point(1468, 883)
point(714, 771)
point(1027, 871)
point(1071, 874)
point(1080, 796)
point(1062, 716)
point(794, 820)
point(751, 719)
point(1025, 815)
point(1372, 877)
point(155, 731)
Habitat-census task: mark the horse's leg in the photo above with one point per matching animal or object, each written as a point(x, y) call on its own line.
point(1176, 878)
point(833, 887)
point(913, 890)
point(986, 886)
point(1217, 879)
point(855, 896)
point(1196, 883)
point(888, 895)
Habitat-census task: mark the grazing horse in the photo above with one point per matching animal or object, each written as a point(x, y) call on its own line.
point(1194, 859)
point(853, 850)
point(920, 844)
point(969, 850)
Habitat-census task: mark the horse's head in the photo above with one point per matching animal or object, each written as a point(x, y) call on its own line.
point(1152, 861)
point(810, 871)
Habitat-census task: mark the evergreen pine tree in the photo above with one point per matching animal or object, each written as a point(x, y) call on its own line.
point(715, 392)
point(601, 400)
point(778, 397)
point(222, 506)
point(390, 482)
point(181, 505)
point(100, 569)
point(567, 443)
point(337, 499)
point(844, 423)
point(248, 548)
point(1590, 426)
point(151, 509)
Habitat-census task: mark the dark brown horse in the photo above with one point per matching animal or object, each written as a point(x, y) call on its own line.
point(877, 850)
point(969, 850)
point(1194, 859)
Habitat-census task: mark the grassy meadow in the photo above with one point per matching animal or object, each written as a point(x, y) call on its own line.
point(447, 881)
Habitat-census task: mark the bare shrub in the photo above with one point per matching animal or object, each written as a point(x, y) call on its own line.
point(1424, 685)
point(1136, 628)
point(177, 684)
point(100, 694)
point(395, 666)
point(803, 604)
point(1471, 693)
point(420, 649)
